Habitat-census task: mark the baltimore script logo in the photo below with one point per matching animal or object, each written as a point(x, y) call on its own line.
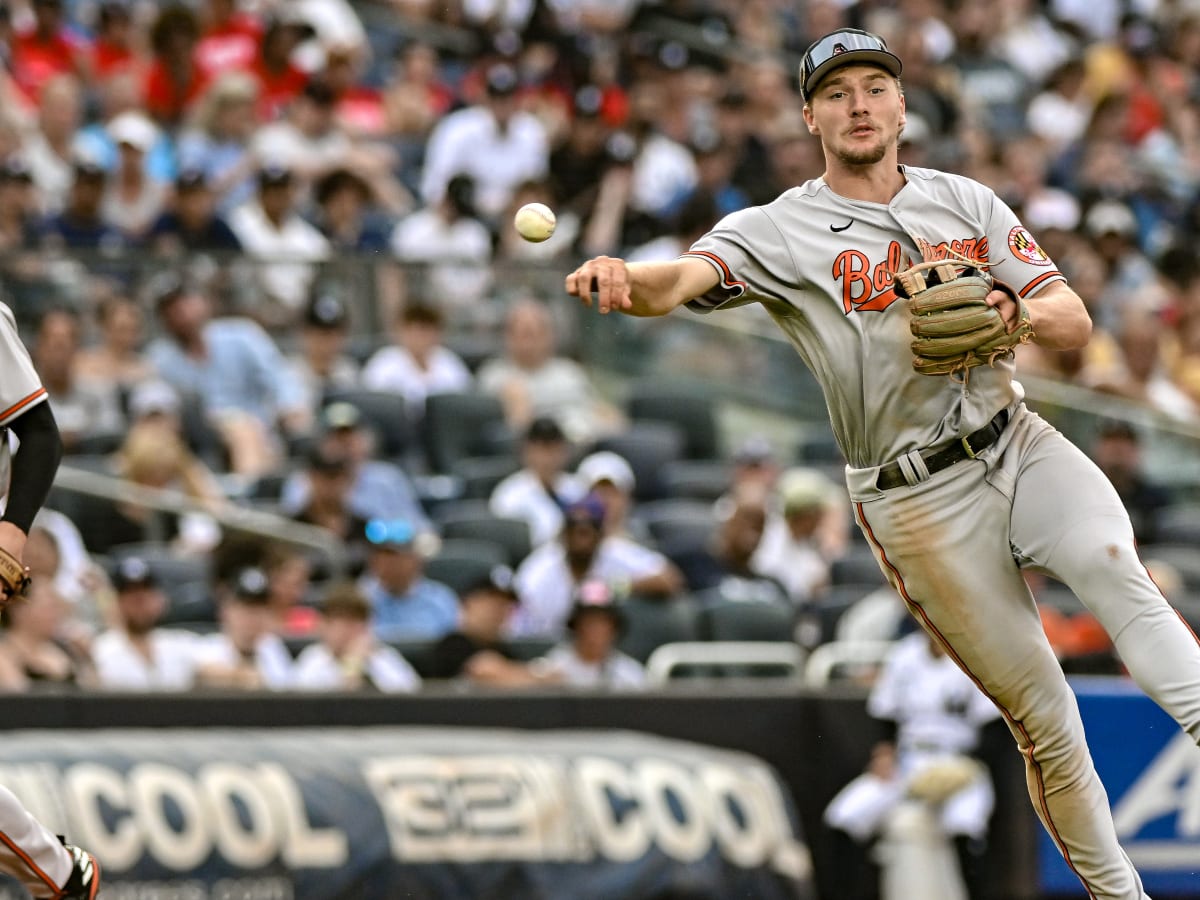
point(868, 288)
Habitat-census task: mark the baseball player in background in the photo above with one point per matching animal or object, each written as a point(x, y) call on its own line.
point(955, 483)
point(47, 866)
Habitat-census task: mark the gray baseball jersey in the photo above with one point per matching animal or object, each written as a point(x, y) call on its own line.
point(20, 388)
point(821, 265)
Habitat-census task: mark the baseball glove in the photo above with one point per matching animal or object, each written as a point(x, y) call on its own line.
point(14, 577)
point(954, 327)
point(943, 778)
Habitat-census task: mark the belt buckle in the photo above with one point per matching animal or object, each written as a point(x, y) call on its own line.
point(966, 445)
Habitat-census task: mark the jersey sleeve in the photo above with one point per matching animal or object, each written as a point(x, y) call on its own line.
point(20, 388)
point(750, 257)
point(1016, 257)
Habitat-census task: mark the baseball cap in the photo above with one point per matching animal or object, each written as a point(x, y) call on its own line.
point(497, 580)
point(164, 288)
point(390, 533)
point(340, 414)
point(274, 175)
point(844, 47)
point(754, 450)
point(135, 129)
point(326, 310)
point(133, 571)
point(87, 168)
point(501, 80)
point(587, 510)
point(802, 489)
point(153, 396)
point(605, 465)
point(545, 429)
point(191, 180)
point(251, 585)
point(1110, 217)
point(595, 597)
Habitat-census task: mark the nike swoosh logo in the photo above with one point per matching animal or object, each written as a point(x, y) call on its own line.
point(835, 229)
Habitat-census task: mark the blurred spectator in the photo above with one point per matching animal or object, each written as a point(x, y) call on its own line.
point(1140, 374)
point(417, 363)
point(609, 476)
point(1112, 227)
point(174, 79)
point(133, 200)
point(532, 381)
point(154, 400)
point(539, 490)
point(290, 574)
point(590, 658)
point(33, 655)
point(81, 224)
point(496, 143)
point(416, 95)
point(716, 160)
point(50, 150)
point(117, 359)
point(379, 489)
point(217, 139)
point(344, 201)
point(46, 49)
point(696, 216)
point(663, 168)
point(1060, 113)
point(80, 582)
point(514, 248)
point(935, 714)
point(453, 245)
point(476, 650)
point(234, 368)
point(120, 95)
point(987, 82)
point(576, 164)
point(547, 579)
point(192, 223)
point(756, 465)
point(114, 48)
point(790, 550)
point(307, 140)
point(329, 478)
point(136, 654)
point(321, 363)
point(1118, 453)
point(229, 37)
point(726, 564)
point(348, 657)
point(82, 407)
point(18, 206)
point(282, 245)
point(407, 605)
point(246, 653)
point(280, 80)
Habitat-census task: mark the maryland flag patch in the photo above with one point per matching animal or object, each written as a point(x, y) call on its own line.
point(1025, 248)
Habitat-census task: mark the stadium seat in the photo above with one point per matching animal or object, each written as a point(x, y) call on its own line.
point(857, 566)
point(819, 447)
point(463, 424)
point(511, 534)
point(386, 413)
point(856, 661)
point(1178, 524)
point(653, 621)
point(720, 619)
point(692, 411)
point(418, 652)
point(829, 608)
point(461, 562)
point(725, 659)
point(186, 580)
point(696, 479)
point(1184, 558)
point(676, 525)
point(647, 447)
point(479, 475)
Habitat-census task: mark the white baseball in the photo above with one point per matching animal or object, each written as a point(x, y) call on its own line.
point(535, 222)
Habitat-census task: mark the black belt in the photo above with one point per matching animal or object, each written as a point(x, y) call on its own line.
point(892, 476)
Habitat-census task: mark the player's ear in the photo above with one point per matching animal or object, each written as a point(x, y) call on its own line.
point(809, 120)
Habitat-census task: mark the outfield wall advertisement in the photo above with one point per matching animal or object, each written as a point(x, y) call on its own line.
point(385, 813)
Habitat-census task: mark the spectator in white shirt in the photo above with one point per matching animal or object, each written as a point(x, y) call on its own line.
point(539, 490)
point(590, 658)
point(283, 245)
point(246, 653)
point(549, 576)
point(609, 476)
point(137, 655)
point(320, 362)
point(791, 549)
point(348, 656)
point(418, 363)
point(496, 143)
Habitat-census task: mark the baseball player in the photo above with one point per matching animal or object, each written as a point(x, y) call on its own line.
point(46, 865)
point(955, 483)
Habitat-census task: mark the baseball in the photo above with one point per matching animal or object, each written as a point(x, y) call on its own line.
point(535, 222)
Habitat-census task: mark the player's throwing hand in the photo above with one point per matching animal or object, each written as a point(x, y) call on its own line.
point(607, 278)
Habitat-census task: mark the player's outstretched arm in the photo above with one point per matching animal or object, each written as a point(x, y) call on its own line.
point(640, 289)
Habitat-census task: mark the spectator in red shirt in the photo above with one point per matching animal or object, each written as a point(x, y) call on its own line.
point(113, 49)
point(46, 50)
point(280, 80)
point(230, 39)
point(358, 108)
point(174, 79)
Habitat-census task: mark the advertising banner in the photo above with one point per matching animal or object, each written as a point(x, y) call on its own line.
point(387, 813)
point(1151, 770)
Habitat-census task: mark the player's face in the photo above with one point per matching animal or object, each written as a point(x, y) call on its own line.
point(858, 112)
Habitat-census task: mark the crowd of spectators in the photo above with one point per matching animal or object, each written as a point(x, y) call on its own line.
point(220, 219)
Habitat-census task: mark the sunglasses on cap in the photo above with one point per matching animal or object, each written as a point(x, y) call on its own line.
point(843, 48)
point(390, 532)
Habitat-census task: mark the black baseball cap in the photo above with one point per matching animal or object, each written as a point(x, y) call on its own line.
point(274, 175)
point(326, 310)
point(133, 571)
point(251, 585)
point(497, 580)
point(545, 429)
point(191, 180)
point(844, 47)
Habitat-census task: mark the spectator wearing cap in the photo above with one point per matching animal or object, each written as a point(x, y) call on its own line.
point(34, 653)
point(1117, 450)
point(755, 465)
point(192, 223)
point(495, 142)
point(548, 578)
point(320, 362)
point(538, 491)
point(406, 604)
point(379, 489)
point(117, 357)
point(18, 206)
point(416, 95)
point(329, 478)
point(133, 199)
point(283, 246)
point(576, 163)
point(235, 369)
point(477, 649)
point(532, 380)
point(589, 657)
point(136, 654)
point(609, 476)
point(348, 656)
point(1113, 229)
point(46, 48)
point(791, 549)
point(417, 363)
point(217, 139)
point(81, 224)
point(308, 139)
point(246, 653)
point(454, 248)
